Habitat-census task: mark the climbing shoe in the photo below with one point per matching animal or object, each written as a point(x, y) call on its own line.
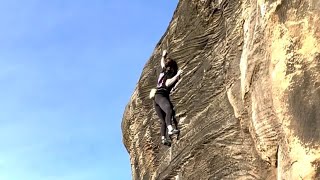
point(174, 131)
point(165, 142)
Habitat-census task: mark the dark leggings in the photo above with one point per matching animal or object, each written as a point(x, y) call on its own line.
point(164, 109)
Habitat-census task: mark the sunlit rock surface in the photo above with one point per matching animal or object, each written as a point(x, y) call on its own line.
point(248, 104)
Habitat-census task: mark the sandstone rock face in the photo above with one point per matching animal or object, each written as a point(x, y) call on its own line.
point(248, 103)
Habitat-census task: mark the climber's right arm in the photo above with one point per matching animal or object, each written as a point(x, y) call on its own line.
point(172, 80)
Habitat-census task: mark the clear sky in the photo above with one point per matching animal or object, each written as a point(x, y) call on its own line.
point(67, 71)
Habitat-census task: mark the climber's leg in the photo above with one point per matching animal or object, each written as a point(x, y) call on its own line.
point(161, 115)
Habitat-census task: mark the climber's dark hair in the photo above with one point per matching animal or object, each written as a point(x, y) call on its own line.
point(171, 67)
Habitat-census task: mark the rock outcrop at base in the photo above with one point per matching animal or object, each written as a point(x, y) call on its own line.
point(248, 103)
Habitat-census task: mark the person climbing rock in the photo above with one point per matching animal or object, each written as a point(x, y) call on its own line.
point(168, 77)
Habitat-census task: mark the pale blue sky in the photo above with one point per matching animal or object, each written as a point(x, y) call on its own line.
point(67, 71)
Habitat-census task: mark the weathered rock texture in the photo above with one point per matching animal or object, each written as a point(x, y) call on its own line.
point(248, 104)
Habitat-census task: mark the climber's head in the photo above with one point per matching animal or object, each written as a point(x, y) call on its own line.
point(171, 66)
point(168, 62)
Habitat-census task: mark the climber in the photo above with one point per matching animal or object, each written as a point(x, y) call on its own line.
point(168, 77)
